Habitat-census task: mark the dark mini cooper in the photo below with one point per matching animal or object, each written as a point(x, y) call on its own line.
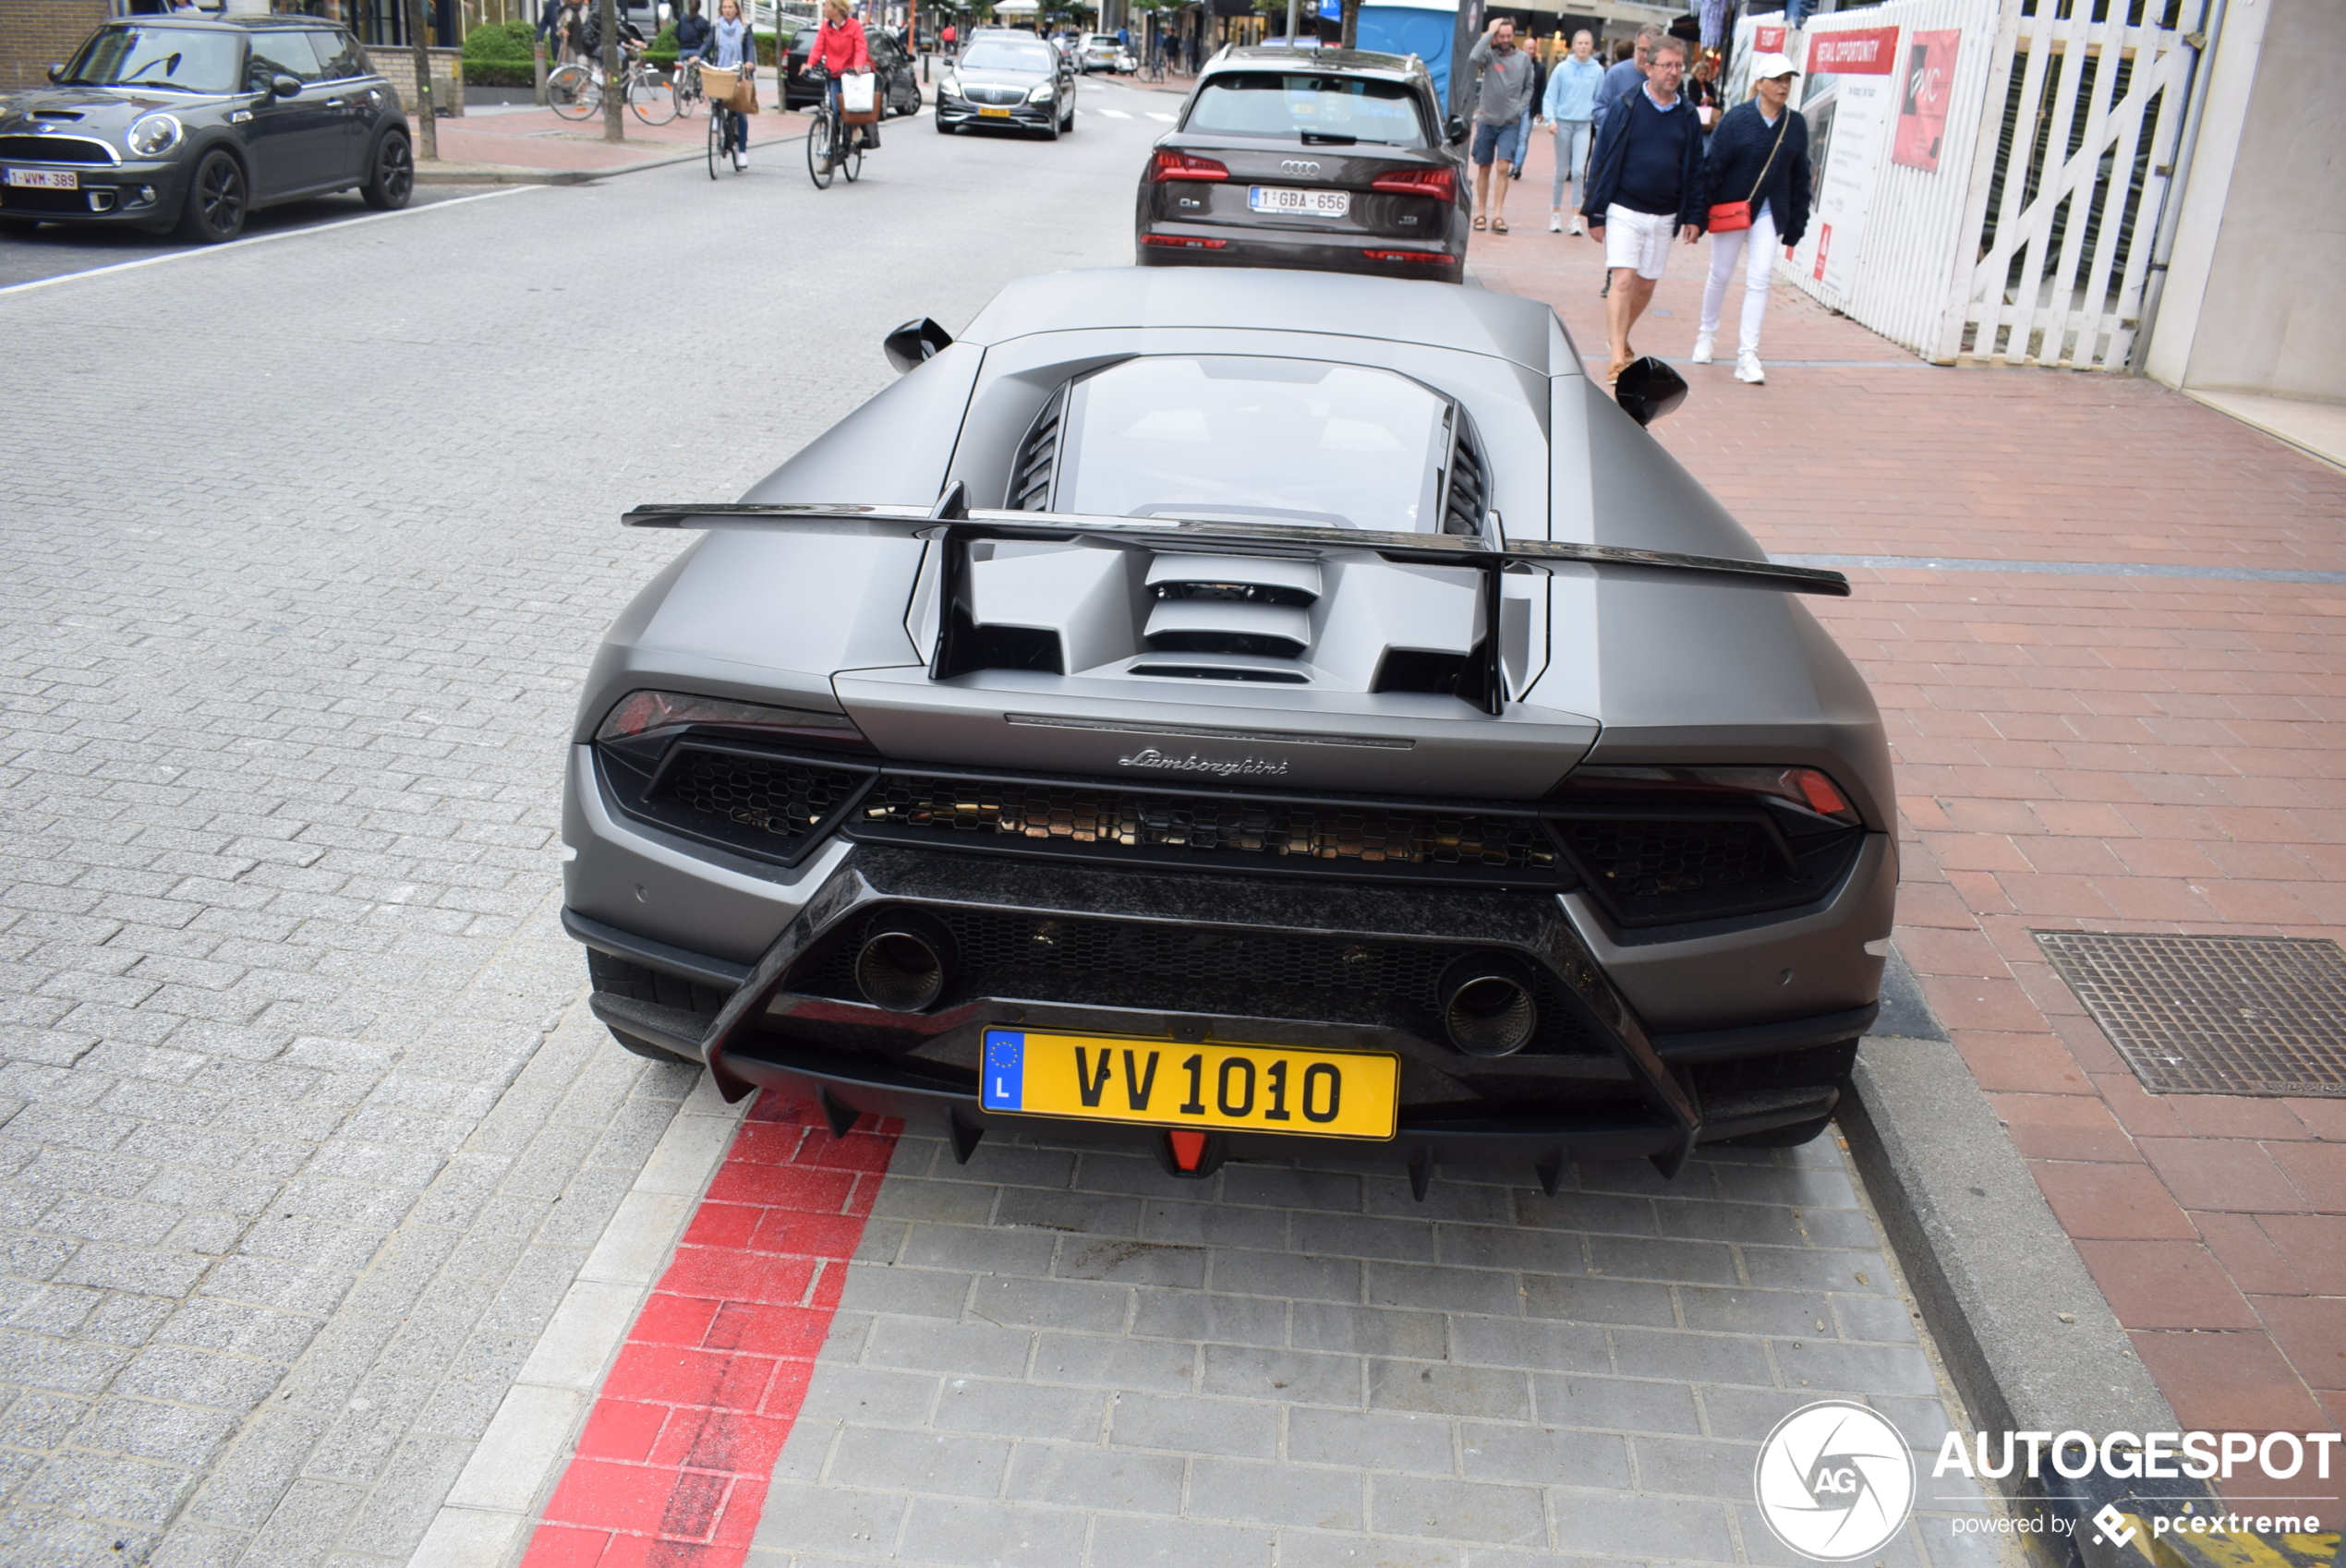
point(1010, 81)
point(169, 122)
point(1340, 162)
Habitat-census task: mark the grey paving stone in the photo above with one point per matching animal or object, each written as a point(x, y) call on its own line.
point(1446, 1290)
point(1307, 1495)
point(1199, 1317)
point(1370, 1331)
point(1495, 1391)
point(1599, 1300)
point(1696, 1357)
point(916, 1344)
point(991, 1535)
point(1093, 1478)
point(1363, 1236)
point(1048, 1304)
point(1855, 1369)
point(1737, 1310)
point(1287, 1275)
point(1693, 1468)
point(1312, 1548)
point(832, 1520)
point(1883, 1318)
point(1507, 1246)
point(1292, 1376)
point(1618, 1405)
point(1182, 1424)
point(1135, 1541)
point(1538, 1346)
point(1384, 1440)
point(919, 1462)
point(1635, 1525)
point(1212, 1225)
point(1464, 1510)
point(1542, 1456)
point(913, 1292)
point(1132, 1263)
point(1682, 1263)
point(1097, 1361)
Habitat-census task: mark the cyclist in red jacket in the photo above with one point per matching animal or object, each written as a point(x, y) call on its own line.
point(839, 48)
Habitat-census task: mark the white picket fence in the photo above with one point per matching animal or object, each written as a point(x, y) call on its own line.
point(2028, 243)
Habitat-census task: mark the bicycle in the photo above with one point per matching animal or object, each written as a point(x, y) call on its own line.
point(1151, 69)
point(576, 92)
point(825, 133)
point(720, 116)
point(690, 96)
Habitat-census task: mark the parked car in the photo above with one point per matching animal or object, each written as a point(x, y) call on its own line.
point(900, 77)
point(170, 121)
point(1343, 164)
point(1099, 52)
point(1007, 81)
point(1229, 711)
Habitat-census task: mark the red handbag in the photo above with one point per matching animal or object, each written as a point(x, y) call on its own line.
point(1729, 216)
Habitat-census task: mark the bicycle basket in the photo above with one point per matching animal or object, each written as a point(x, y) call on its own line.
point(719, 85)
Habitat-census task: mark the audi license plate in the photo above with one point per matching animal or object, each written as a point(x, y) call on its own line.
point(1299, 203)
point(46, 179)
point(1173, 1083)
point(986, 113)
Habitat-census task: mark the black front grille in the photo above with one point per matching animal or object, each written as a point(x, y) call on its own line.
point(1162, 828)
point(54, 150)
point(1180, 968)
point(1650, 871)
point(19, 199)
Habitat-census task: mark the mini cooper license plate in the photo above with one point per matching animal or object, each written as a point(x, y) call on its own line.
point(1299, 203)
point(46, 179)
point(1177, 1083)
point(986, 113)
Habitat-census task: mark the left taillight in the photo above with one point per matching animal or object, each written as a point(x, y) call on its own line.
point(1807, 788)
point(1440, 184)
point(1165, 163)
point(642, 713)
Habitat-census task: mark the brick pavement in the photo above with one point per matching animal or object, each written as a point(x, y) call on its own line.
point(303, 1133)
point(542, 141)
point(2102, 754)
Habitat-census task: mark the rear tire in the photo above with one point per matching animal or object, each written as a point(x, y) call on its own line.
point(570, 93)
point(392, 180)
point(217, 200)
point(651, 100)
point(819, 152)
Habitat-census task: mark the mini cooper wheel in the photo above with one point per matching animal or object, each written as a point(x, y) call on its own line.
point(394, 177)
point(216, 201)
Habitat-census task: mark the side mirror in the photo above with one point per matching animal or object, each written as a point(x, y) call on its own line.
point(56, 70)
point(915, 342)
point(1454, 128)
point(285, 86)
point(1648, 389)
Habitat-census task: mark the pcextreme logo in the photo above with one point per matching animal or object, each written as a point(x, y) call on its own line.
point(1834, 1481)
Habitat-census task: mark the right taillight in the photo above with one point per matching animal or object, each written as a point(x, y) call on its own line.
point(1440, 184)
point(1165, 163)
point(1807, 788)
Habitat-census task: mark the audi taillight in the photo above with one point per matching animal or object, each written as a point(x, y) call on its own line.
point(1167, 165)
point(1413, 257)
point(1440, 184)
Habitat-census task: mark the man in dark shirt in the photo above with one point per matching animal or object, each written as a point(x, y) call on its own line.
point(1643, 190)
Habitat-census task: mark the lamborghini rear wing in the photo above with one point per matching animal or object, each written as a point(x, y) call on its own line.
point(955, 526)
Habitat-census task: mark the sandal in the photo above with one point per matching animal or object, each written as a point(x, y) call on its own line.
point(1498, 225)
point(1481, 222)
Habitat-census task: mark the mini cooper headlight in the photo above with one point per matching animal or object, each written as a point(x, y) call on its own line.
point(1041, 94)
point(153, 135)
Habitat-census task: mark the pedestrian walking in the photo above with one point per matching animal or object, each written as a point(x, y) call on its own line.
point(1758, 159)
point(1644, 188)
point(1704, 92)
point(550, 21)
point(1504, 92)
point(1570, 106)
point(1530, 108)
point(572, 30)
point(692, 32)
point(734, 48)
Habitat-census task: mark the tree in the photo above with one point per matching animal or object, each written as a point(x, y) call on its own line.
point(1351, 35)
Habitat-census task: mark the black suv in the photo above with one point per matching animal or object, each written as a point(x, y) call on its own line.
point(170, 121)
point(1333, 159)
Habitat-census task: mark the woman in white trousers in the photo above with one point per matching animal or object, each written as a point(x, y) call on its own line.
point(1758, 157)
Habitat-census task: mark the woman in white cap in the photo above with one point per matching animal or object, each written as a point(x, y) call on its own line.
point(1758, 158)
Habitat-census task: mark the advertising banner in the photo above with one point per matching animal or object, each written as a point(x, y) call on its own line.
point(1850, 99)
point(1922, 108)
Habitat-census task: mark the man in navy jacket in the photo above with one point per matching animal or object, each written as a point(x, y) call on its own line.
point(1645, 187)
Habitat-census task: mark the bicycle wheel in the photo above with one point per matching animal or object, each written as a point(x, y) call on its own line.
point(571, 93)
point(650, 99)
point(819, 134)
point(850, 162)
point(688, 93)
point(715, 140)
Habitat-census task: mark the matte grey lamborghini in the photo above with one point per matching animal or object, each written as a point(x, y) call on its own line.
point(1232, 711)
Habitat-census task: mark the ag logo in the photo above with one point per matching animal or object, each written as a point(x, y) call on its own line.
point(1834, 1481)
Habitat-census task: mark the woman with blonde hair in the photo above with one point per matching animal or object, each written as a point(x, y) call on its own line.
point(732, 47)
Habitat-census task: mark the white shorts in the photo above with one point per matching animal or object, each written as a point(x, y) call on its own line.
point(1638, 240)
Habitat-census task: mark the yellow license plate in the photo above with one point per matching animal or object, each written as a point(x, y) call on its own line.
point(1171, 1083)
point(986, 113)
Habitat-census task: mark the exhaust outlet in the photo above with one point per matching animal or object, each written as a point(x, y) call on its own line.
point(1487, 1007)
point(904, 962)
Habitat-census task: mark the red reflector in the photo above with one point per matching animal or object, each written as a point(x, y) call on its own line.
point(1167, 165)
point(1819, 792)
point(1189, 1149)
point(1415, 258)
point(1184, 242)
point(1440, 184)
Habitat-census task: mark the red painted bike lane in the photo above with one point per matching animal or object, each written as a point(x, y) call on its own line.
point(671, 1468)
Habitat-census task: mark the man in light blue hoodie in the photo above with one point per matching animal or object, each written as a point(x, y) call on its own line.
point(1570, 107)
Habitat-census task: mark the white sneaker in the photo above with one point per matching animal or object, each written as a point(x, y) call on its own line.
point(1578, 226)
point(1747, 370)
point(1703, 349)
point(1555, 225)
point(740, 162)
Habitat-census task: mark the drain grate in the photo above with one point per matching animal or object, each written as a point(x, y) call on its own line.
point(2214, 1015)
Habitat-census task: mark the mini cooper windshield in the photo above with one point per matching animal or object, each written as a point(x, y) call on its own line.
point(1285, 439)
point(1325, 110)
point(175, 59)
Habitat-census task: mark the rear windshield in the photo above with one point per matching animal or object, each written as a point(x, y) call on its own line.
point(1281, 441)
point(176, 59)
point(989, 56)
point(1300, 104)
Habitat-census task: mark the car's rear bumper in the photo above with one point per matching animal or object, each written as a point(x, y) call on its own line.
point(1217, 245)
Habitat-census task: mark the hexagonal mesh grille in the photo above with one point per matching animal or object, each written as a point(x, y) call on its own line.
point(2214, 1015)
point(1129, 963)
point(765, 795)
point(1161, 827)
